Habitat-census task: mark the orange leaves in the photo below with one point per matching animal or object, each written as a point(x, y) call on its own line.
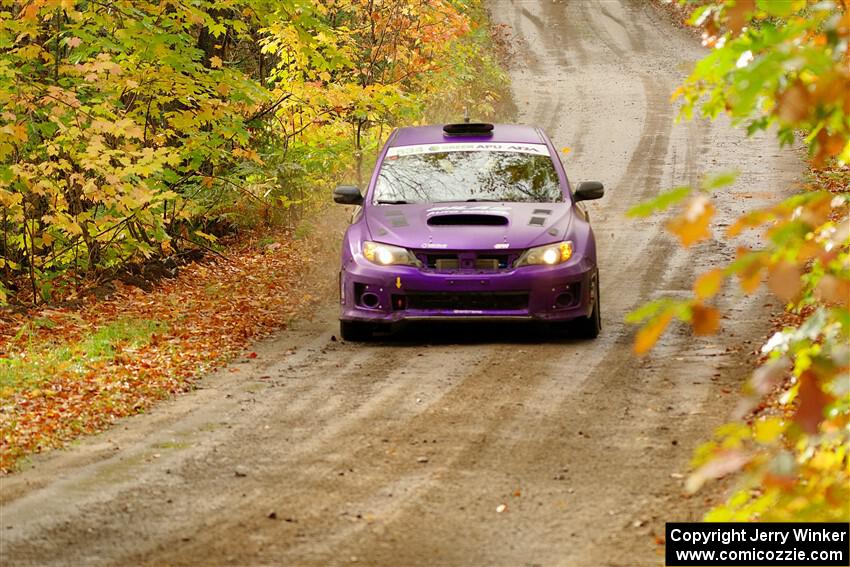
point(248, 154)
point(17, 131)
point(705, 320)
point(692, 225)
point(649, 334)
point(793, 104)
point(784, 280)
point(739, 15)
point(828, 145)
point(749, 269)
point(812, 401)
point(833, 290)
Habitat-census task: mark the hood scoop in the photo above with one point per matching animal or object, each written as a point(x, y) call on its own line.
point(468, 219)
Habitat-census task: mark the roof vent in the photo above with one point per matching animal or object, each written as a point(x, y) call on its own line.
point(468, 129)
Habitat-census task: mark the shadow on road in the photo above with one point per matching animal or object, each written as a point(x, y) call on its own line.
point(465, 333)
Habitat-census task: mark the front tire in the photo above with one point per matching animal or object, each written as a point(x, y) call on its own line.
point(355, 331)
point(590, 327)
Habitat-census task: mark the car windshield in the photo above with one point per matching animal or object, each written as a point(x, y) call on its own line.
point(468, 172)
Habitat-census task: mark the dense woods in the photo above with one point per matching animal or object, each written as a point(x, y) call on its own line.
point(135, 130)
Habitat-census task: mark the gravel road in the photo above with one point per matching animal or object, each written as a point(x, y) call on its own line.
point(465, 446)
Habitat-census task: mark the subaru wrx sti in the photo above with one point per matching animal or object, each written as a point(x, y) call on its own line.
point(469, 222)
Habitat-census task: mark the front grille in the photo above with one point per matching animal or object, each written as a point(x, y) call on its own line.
point(472, 261)
point(465, 301)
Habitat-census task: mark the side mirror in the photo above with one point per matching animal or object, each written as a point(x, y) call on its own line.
point(589, 190)
point(348, 195)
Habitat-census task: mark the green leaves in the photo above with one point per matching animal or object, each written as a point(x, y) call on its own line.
point(783, 64)
point(781, 9)
point(660, 202)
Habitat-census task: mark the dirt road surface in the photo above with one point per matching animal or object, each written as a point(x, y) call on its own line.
point(402, 453)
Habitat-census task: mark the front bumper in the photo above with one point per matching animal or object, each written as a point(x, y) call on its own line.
point(389, 294)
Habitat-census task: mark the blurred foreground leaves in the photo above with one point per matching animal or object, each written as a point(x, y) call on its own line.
point(780, 65)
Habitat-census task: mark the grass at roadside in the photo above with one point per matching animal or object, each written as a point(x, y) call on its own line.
point(42, 359)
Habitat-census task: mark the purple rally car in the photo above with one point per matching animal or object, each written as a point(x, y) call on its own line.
point(468, 221)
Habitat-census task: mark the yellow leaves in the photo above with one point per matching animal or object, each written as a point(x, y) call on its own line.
point(692, 225)
point(705, 320)
point(680, 90)
point(9, 199)
point(32, 51)
point(649, 334)
point(223, 89)
point(216, 62)
point(65, 223)
point(16, 132)
point(205, 236)
point(124, 127)
point(566, 150)
point(182, 120)
point(708, 284)
point(767, 430)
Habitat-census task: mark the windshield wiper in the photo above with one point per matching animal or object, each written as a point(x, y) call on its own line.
point(484, 200)
point(399, 202)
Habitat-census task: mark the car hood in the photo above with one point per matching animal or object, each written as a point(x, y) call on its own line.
point(469, 226)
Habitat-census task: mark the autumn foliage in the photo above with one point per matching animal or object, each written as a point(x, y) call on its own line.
point(134, 129)
point(785, 67)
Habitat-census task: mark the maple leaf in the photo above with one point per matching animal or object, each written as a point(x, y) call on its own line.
point(792, 104)
point(784, 280)
point(812, 402)
point(705, 320)
point(708, 284)
point(649, 334)
point(692, 225)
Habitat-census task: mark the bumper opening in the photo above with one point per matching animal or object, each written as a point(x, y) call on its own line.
point(471, 301)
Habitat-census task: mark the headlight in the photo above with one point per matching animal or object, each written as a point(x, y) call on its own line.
point(550, 254)
point(386, 255)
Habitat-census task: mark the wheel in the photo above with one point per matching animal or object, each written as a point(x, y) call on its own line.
point(589, 327)
point(355, 331)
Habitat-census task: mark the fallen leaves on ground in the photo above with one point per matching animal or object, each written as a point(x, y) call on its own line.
point(210, 313)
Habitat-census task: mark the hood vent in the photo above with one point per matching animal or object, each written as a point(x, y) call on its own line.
point(468, 220)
